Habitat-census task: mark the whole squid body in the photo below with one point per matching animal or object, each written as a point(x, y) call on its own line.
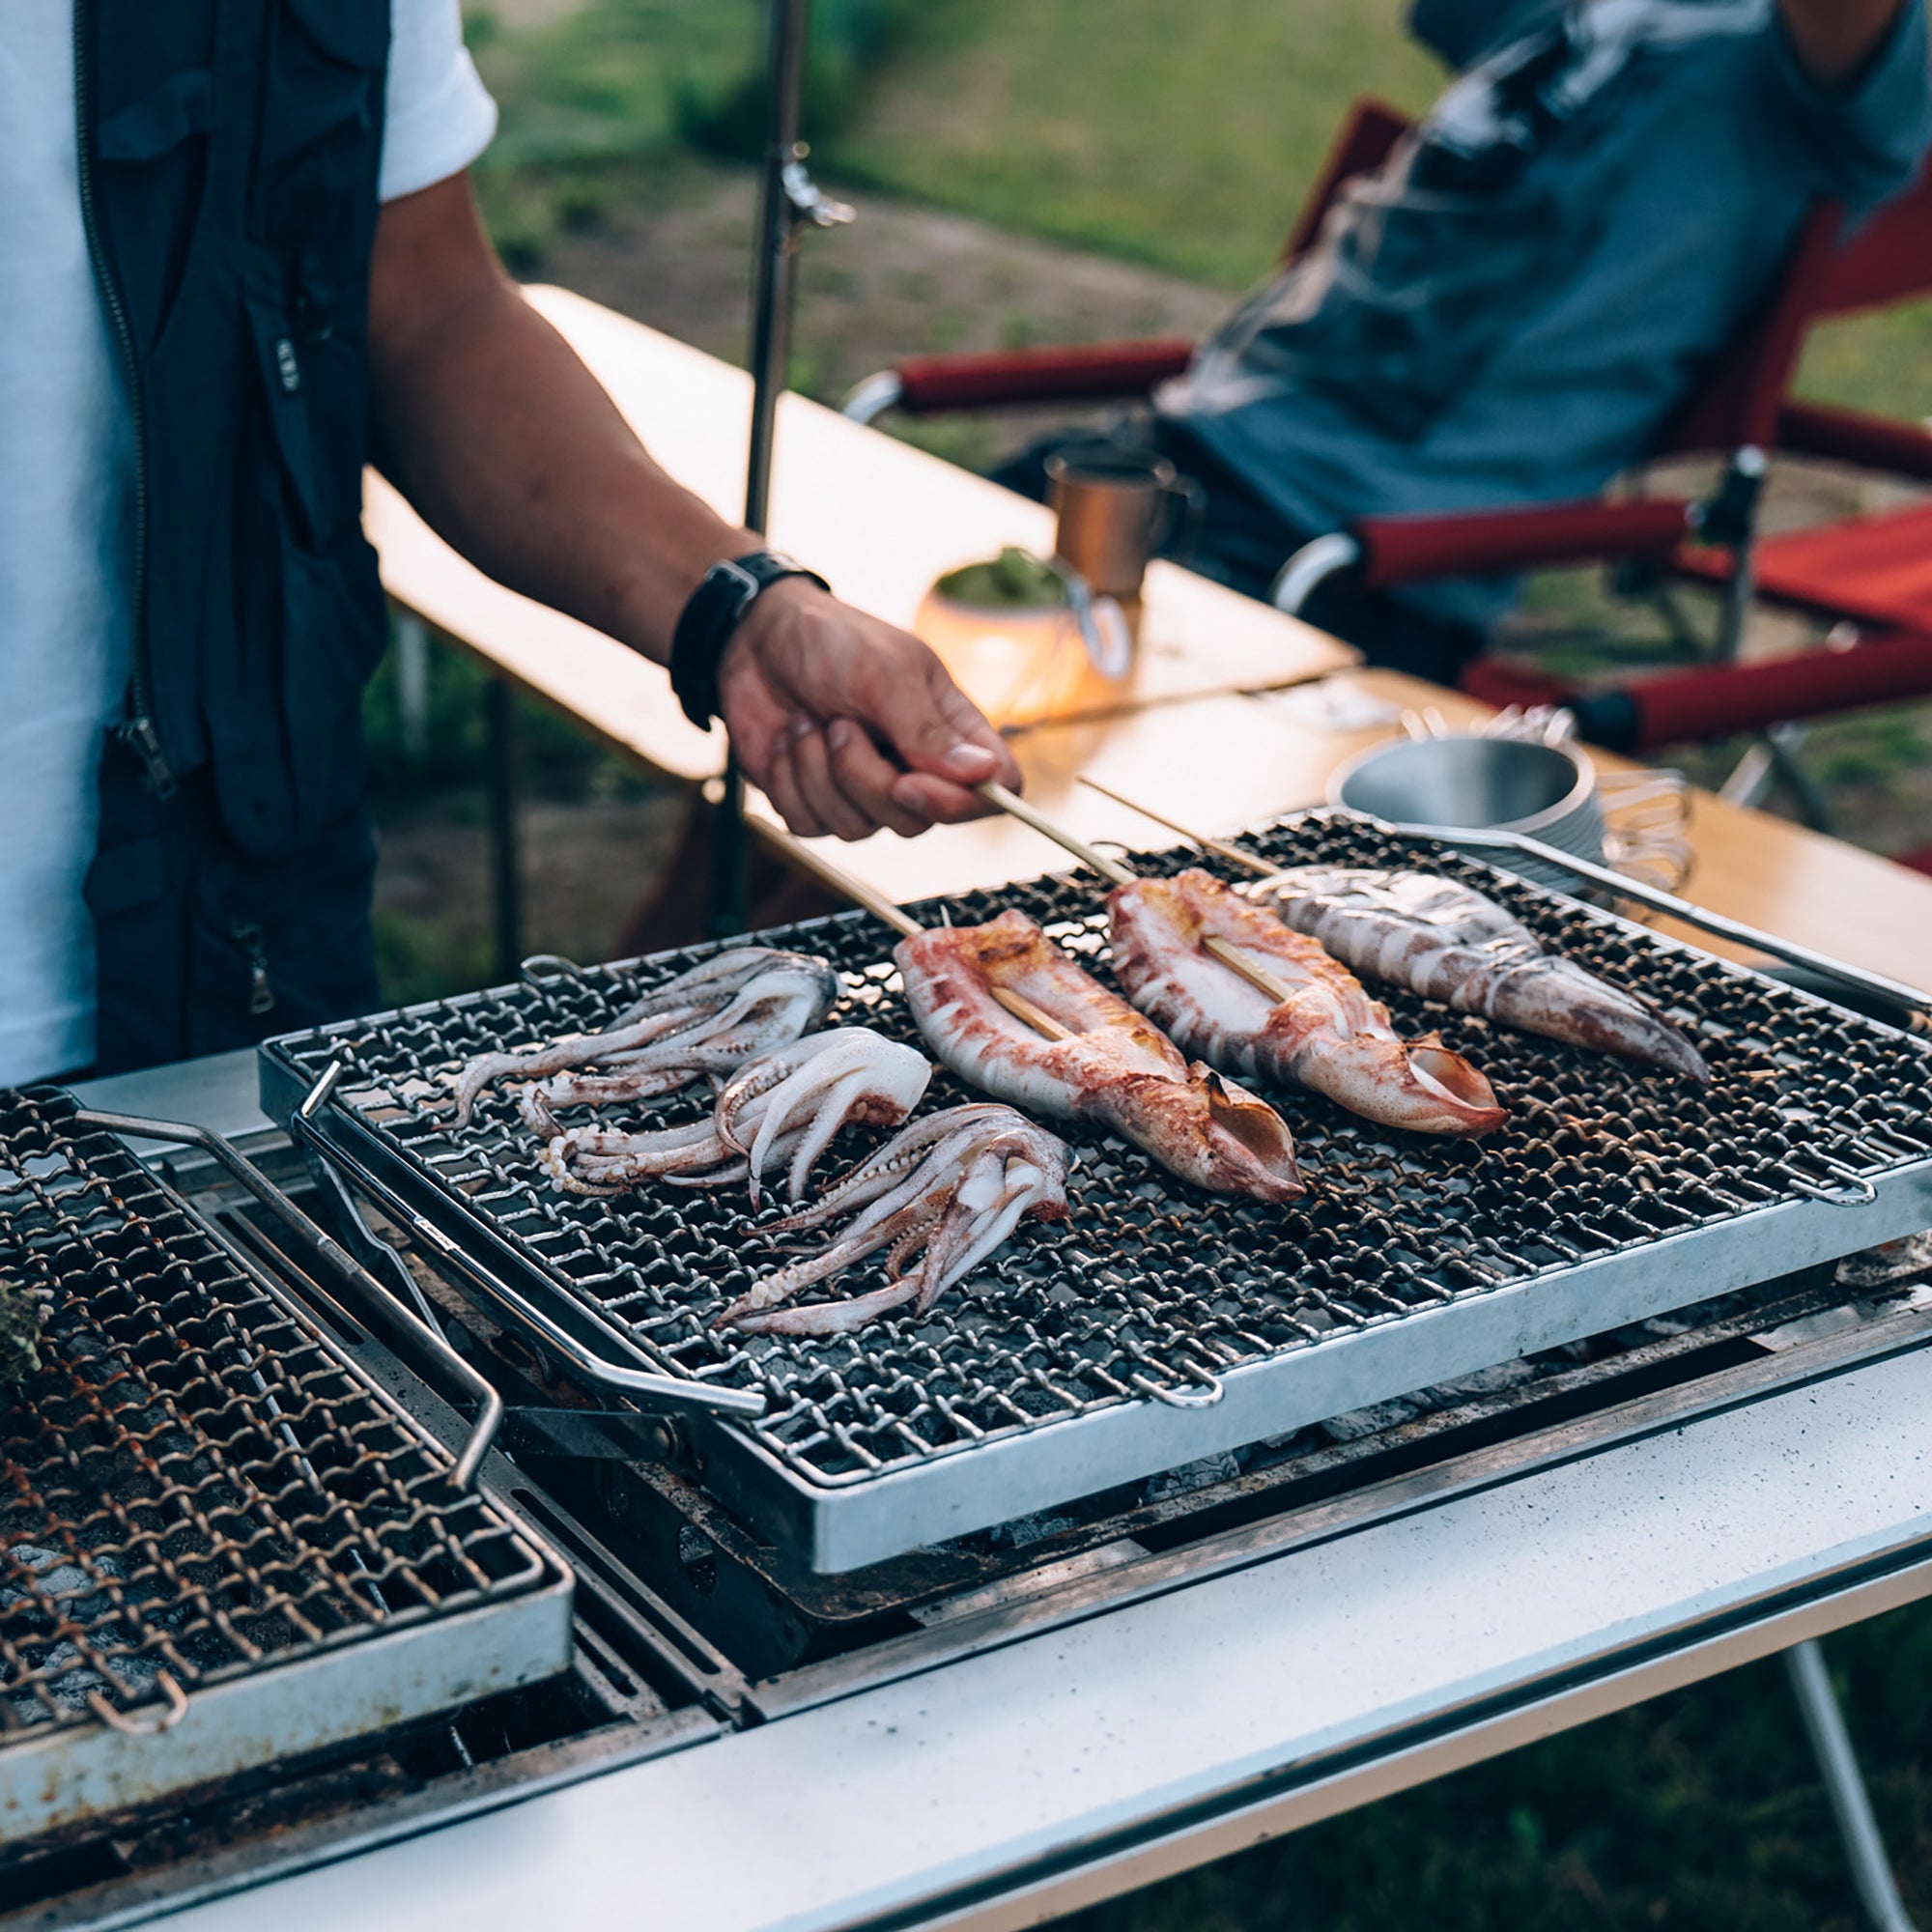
point(1113, 1066)
point(1327, 1034)
point(1448, 942)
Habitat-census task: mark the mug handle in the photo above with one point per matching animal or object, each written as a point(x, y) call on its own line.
point(1178, 531)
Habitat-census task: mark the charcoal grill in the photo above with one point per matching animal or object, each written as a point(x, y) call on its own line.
point(1156, 1326)
point(220, 1544)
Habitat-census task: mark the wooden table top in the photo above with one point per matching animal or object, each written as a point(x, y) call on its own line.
point(1219, 763)
point(880, 518)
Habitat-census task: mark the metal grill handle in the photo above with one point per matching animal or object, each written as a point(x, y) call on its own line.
point(515, 1309)
point(408, 1333)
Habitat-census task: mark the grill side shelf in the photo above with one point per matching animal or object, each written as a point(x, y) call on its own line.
point(221, 1542)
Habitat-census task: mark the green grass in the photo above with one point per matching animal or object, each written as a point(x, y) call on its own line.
point(1179, 136)
point(1881, 362)
point(610, 82)
point(1186, 138)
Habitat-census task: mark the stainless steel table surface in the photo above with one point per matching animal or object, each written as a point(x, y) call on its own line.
point(1024, 1782)
point(218, 1092)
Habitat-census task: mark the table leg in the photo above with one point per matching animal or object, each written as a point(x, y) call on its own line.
point(727, 911)
point(500, 727)
point(1845, 1787)
point(413, 685)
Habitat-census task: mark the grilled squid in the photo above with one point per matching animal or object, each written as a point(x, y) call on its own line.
point(940, 1197)
point(1111, 1064)
point(708, 1020)
point(1448, 942)
point(780, 1109)
point(1328, 1035)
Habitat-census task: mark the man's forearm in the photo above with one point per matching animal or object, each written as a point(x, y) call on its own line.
point(513, 452)
point(502, 439)
point(1836, 40)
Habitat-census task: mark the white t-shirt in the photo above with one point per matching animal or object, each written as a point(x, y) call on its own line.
point(67, 468)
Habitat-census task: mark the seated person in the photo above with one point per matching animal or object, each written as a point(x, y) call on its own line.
point(1514, 305)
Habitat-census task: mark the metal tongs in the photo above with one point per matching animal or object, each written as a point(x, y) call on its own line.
point(614, 1433)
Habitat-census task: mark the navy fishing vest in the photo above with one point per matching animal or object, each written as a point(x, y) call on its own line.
point(229, 176)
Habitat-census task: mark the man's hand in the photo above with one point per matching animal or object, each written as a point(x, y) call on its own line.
point(847, 723)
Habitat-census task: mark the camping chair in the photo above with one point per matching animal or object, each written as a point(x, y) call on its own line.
point(1741, 412)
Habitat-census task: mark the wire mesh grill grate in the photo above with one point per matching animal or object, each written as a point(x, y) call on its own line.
point(1150, 1285)
point(192, 1485)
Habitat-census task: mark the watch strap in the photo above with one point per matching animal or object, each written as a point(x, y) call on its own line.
point(711, 615)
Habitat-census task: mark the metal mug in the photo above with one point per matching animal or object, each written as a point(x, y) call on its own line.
point(1118, 508)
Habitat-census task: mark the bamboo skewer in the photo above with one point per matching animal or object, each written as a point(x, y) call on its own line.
point(1224, 950)
point(1220, 848)
point(884, 910)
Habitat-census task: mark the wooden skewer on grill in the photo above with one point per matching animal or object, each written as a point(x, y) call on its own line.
point(1224, 950)
point(883, 909)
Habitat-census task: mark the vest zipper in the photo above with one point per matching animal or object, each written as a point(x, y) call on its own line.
point(137, 734)
point(248, 935)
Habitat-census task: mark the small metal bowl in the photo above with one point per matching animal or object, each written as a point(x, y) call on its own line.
point(1467, 783)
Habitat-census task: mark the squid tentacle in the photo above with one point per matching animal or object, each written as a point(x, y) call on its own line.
point(979, 1177)
point(749, 999)
point(784, 1107)
point(884, 1170)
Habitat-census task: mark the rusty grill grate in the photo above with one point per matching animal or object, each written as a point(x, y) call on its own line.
point(1150, 1288)
point(193, 1486)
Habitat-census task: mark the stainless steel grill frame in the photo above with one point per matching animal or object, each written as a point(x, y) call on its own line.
point(220, 1544)
point(1158, 1326)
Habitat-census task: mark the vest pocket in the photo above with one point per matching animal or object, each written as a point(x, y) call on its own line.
point(285, 385)
point(328, 650)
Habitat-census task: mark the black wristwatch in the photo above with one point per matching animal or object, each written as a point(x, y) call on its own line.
point(716, 608)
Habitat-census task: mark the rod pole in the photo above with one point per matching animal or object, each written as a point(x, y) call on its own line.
point(778, 250)
point(1270, 984)
point(1015, 806)
point(867, 898)
point(1845, 1788)
point(1233, 854)
point(774, 291)
point(506, 871)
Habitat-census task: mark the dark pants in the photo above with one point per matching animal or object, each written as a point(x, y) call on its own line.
point(202, 948)
point(1242, 543)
